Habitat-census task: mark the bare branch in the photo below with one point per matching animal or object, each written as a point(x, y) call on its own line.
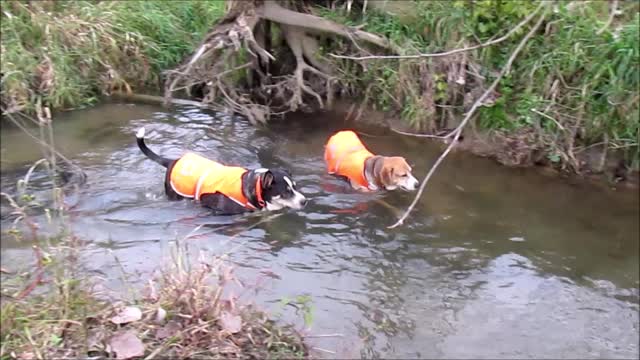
point(430, 136)
point(550, 118)
point(476, 105)
point(450, 52)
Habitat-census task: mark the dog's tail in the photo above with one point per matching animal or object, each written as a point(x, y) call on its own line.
point(150, 154)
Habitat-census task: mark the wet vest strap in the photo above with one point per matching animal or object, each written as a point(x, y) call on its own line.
point(345, 155)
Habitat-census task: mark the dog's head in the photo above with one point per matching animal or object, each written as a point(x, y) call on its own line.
point(279, 190)
point(395, 172)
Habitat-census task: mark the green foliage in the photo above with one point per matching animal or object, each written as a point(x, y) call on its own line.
point(68, 52)
point(168, 29)
point(572, 74)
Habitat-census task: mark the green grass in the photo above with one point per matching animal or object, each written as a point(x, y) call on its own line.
point(68, 53)
point(582, 79)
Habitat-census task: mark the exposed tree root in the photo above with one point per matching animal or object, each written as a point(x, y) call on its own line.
point(268, 90)
point(276, 13)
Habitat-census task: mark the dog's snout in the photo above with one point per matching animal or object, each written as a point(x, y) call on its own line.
point(304, 202)
point(411, 184)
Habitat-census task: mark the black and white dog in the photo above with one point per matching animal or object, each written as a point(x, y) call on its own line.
point(225, 189)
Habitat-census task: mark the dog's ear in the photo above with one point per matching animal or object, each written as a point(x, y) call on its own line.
point(267, 180)
point(386, 174)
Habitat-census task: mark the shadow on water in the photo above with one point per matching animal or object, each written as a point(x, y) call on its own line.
point(493, 262)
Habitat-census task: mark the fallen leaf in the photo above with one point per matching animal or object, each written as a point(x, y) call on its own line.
point(230, 323)
point(127, 315)
point(168, 330)
point(126, 345)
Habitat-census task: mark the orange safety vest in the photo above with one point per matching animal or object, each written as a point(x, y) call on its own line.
point(345, 155)
point(193, 176)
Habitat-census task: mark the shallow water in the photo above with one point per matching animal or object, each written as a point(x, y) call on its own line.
point(494, 262)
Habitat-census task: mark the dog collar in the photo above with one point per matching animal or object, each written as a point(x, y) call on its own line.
point(261, 202)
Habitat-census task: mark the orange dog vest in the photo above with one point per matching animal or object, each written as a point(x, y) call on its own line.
point(193, 176)
point(345, 155)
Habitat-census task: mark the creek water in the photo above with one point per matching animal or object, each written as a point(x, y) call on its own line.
point(494, 262)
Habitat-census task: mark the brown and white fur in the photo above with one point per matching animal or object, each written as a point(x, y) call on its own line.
point(347, 157)
point(389, 173)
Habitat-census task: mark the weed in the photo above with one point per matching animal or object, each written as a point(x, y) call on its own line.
point(69, 53)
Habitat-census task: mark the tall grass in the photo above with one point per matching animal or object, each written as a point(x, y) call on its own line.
point(69, 53)
point(573, 86)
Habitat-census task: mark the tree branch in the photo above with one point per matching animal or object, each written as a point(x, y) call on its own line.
point(430, 136)
point(476, 105)
point(450, 52)
point(276, 13)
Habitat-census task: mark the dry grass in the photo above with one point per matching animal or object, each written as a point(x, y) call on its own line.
point(183, 314)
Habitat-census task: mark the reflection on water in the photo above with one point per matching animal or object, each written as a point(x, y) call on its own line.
point(494, 262)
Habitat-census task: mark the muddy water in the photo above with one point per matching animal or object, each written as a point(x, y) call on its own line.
point(494, 262)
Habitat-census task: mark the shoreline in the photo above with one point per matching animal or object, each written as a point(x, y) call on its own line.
point(484, 146)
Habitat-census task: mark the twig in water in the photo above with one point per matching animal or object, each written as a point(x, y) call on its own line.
point(418, 135)
point(476, 105)
point(450, 52)
point(324, 335)
point(324, 350)
point(369, 135)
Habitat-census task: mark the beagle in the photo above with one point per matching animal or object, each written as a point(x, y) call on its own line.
point(347, 157)
point(225, 189)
